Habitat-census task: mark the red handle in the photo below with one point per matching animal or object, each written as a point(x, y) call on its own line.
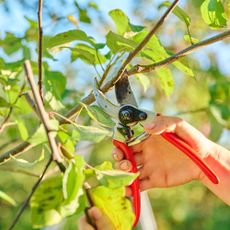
point(135, 186)
point(190, 152)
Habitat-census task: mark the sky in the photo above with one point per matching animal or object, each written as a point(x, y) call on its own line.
point(16, 23)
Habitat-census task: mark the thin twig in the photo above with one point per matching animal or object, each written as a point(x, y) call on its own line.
point(90, 98)
point(22, 171)
point(40, 37)
point(43, 114)
point(31, 102)
point(27, 200)
point(149, 68)
point(203, 109)
point(149, 35)
point(15, 151)
point(136, 69)
point(6, 124)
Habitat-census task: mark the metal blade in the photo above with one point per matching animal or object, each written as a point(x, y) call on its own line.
point(124, 92)
point(108, 107)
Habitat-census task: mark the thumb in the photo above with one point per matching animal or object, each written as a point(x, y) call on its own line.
point(182, 129)
point(101, 221)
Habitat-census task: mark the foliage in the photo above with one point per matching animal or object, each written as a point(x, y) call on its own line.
point(71, 57)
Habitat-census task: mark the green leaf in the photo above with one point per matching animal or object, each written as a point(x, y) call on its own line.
point(188, 38)
point(7, 198)
point(4, 103)
point(180, 13)
point(46, 203)
point(183, 68)
point(213, 14)
point(114, 205)
point(121, 20)
point(166, 80)
point(156, 52)
point(22, 129)
point(115, 178)
point(54, 103)
point(68, 144)
point(26, 164)
point(136, 28)
point(219, 102)
point(143, 80)
point(97, 114)
point(117, 43)
point(23, 106)
point(90, 133)
point(73, 180)
point(87, 54)
point(62, 39)
point(106, 165)
point(40, 135)
point(10, 43)
point(55, 82)
point(216, 128)
point(83, 15)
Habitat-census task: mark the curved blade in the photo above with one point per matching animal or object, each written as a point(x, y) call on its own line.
point(124, 92)
point(108, 107)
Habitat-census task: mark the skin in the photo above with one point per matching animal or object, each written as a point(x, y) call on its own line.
point(101, 221)
point(163, 165)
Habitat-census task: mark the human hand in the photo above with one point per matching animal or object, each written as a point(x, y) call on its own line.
point(162, 164)
point(101, 221)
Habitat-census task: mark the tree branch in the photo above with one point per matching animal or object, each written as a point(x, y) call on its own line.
point(90, 98)
point(27, 200)
point(203, 109)
point(40, 36)
point(149, 68)
point(43, 114)
point(136, 69)
point(22, 171)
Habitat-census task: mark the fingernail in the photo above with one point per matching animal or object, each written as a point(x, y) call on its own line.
point(115, 157)
point(124, 165)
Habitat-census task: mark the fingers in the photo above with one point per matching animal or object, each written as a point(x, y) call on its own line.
point(145, 184)
point(161, 124)
point(185, 131)
point(124, 165)
point(84, 225)
point(118, 155)
point(101, 221)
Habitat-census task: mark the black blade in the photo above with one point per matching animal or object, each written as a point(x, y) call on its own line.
point(124, 93)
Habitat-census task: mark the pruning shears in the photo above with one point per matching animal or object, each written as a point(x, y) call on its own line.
point(129, 131)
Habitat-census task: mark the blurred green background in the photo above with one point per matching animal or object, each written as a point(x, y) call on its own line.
point(189, 206)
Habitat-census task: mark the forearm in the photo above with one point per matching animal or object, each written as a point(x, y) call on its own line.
point(219, 161)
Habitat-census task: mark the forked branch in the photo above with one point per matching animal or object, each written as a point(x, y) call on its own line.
point(136, 69)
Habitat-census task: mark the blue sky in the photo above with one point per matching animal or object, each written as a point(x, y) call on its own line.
point(16, 23)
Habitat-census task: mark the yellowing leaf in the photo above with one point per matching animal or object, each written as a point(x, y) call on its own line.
point(72, 19)
point(114, 204)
